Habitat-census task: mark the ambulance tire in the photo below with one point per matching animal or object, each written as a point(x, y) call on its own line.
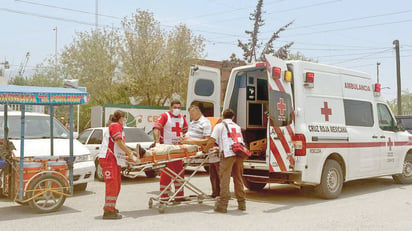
point(331, 182)
point(253, 186)
point(406, 176)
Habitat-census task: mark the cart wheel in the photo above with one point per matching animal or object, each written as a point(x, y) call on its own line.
point(162, 208)
point(150, 203)
point(47, 193)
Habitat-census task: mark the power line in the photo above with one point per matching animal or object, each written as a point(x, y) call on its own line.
point(67, 9)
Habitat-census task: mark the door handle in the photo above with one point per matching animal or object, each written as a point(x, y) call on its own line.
point(382, 137)
point(375, 137)
point(97, 148)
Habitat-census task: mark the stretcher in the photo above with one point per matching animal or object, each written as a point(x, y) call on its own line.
point(158, 157)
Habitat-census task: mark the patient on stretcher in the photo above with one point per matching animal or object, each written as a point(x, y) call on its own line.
point(166, 149)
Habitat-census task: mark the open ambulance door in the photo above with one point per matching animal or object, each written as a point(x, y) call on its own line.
point(280, 130)
point(204, 90)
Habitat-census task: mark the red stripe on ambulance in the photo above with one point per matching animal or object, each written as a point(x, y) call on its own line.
point(275, 152)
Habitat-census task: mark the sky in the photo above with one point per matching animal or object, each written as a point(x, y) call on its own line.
point(354, 34)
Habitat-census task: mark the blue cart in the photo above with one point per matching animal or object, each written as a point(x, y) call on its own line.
point(43, 183)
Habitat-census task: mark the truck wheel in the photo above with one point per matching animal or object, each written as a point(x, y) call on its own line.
point(332, 180)
point(99, 171)
point(253, 186)
point(49, 190)
point(406, 176)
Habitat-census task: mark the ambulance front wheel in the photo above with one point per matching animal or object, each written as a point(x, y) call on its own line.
point(406, 176)
point(332, 180)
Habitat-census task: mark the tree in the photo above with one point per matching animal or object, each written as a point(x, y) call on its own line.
point(155, 62)
point(406, 103)
point(251, 48)
point(93, 58)
point(299, 56)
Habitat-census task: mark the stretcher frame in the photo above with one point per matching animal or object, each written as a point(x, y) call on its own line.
point(199, 196)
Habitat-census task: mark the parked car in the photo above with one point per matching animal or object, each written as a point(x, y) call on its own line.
point(406, 122)
point(92, 139)
point(37, 143)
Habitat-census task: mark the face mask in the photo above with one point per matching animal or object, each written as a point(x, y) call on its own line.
point(176, 112)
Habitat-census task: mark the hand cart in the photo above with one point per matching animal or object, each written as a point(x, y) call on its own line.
point(41, 182)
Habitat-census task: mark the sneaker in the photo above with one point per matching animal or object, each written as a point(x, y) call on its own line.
point(116, 210)
point(109, 215)
point(220, 210)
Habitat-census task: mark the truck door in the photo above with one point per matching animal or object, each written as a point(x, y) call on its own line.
point(280, 130)
point(204, 90)
point(390, 153)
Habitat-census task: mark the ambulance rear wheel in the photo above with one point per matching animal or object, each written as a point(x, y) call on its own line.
point(47, 192)
point(406, 176)
point(332, 180)
point(253, 186)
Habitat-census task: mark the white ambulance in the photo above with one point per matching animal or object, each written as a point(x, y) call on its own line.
point(313, 124)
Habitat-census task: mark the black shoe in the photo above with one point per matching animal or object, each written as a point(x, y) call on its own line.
point(109, 215)
point(116, 210)
point(220, 210)
point(213, 196)
point(242, 207)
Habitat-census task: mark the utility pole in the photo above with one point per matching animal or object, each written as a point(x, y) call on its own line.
point(55, 46)
point(97, 12)
point(377, 71)
point(398, 76)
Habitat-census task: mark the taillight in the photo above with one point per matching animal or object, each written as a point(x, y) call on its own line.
point(377, 89)
point(309, 79)
point(276, 72)
point(300, 145)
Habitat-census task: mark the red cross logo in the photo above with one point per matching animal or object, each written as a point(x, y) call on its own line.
point(390, 144)
point(326, 111)
point(177, 129)
point(234, 135)
point(281, 106)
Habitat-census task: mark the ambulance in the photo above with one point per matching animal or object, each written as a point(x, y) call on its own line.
point(309, 124)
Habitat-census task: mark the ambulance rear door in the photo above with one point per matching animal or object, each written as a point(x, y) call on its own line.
point(204, 90)
point(280, 149)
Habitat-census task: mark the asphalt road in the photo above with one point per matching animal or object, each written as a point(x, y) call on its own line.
point(372, 204)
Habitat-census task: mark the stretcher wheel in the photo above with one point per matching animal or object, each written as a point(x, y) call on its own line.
point(150, 203)
point(162, 208)
point(200, 199)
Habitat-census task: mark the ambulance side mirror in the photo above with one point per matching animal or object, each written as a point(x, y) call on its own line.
point(400, 127)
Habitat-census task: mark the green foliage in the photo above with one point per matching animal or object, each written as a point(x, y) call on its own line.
point(406, 101)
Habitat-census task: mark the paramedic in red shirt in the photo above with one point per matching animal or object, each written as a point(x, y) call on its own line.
point(115, 158)
point(168, 129)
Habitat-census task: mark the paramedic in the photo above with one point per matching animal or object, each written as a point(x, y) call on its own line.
point(230, 164)
point(199, 132)
point(112, 160)
point(168, 129)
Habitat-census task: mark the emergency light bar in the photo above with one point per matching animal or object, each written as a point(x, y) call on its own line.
point(276, 71)
point(377, 89)
point(260, 64)
point(309, 79)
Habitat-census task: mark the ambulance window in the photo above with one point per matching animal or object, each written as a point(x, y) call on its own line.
point(358, 113)
point(204, 87)
point(280, 108)
point(386, 121)
point(262, 89)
